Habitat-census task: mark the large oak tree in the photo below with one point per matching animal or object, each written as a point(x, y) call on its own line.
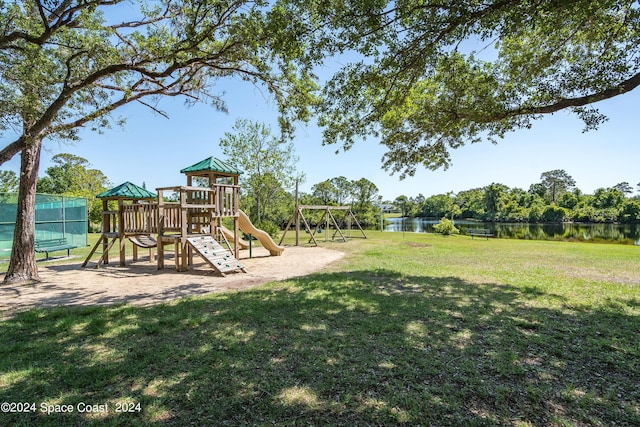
point(437, 74)
point(69, 64)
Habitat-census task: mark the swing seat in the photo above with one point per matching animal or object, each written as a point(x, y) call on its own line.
point(144, 241)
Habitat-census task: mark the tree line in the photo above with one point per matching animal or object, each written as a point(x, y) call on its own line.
point(361, 194)
point(554, 199)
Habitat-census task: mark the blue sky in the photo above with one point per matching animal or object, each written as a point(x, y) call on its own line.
point(153, 149)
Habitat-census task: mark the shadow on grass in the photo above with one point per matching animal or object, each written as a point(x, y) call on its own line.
point(358, 348)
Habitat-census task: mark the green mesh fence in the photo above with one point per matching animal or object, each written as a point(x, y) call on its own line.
point(56, 217)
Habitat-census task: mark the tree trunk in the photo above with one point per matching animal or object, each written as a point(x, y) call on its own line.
point(22, 266)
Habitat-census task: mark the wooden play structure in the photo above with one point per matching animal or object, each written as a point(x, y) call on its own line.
point(325, 223)
point(185, 219)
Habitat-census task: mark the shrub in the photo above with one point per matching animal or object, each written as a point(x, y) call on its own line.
point(554, 213)
point(268, 226)
point(630, 211)
point(446, 227)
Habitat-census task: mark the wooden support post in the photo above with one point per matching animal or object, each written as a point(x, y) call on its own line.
point(297, 215)
point(177, 253)
point(160, 225)
point(326, 225)
point(236, 237)
point(286, 229)
point(121, 232)
point(106, 228)
point(184, 227)
point(335, 224)
point(306, 224)
point(357, 223)
point(213, 214)
point(236, 224)
point(160, 254)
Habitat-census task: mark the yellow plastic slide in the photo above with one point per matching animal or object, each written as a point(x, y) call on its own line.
point(229, 235)
point(267, 242)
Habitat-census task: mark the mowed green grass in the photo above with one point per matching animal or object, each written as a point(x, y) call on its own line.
point(413, 330)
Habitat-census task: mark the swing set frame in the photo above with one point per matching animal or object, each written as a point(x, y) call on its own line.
point(327, 219)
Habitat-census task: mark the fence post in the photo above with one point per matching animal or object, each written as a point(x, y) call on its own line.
point(64, 219)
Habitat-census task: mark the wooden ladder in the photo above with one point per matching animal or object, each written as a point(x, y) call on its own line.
point(102, 239)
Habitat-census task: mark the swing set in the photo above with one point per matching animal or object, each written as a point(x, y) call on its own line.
point(326, 219)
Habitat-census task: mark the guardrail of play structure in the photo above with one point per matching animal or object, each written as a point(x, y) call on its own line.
point(221, 199)
point(227, 200)
point(169, 217)
point(140, 218)
point(195, 205)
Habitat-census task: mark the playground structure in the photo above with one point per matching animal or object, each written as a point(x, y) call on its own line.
point(187, 218)
point(324, 224)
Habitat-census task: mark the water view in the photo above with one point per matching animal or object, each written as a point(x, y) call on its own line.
point(614, 233)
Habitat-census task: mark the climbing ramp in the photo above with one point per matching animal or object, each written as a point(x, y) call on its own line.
point(218, 257)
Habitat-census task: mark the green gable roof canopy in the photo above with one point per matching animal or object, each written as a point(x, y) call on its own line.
point(214, 165)
point(127, 191)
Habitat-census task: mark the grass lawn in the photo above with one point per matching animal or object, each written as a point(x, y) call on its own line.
point(60, 257)
point(420, 330)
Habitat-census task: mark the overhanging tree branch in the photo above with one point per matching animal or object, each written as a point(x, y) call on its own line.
point(423, 90)
point(624, 87)
point(12, 149)
point(63, 16)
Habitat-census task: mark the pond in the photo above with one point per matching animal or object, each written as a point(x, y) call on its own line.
point(614, 233)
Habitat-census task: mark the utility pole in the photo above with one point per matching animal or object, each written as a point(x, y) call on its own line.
point(297, 216)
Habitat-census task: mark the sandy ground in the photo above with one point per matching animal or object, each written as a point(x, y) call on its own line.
point(141, 283)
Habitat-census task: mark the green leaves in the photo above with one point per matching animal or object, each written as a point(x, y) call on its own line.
point(268, 164)
point(448, 73)
point(72, 175)
point(74, 66)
